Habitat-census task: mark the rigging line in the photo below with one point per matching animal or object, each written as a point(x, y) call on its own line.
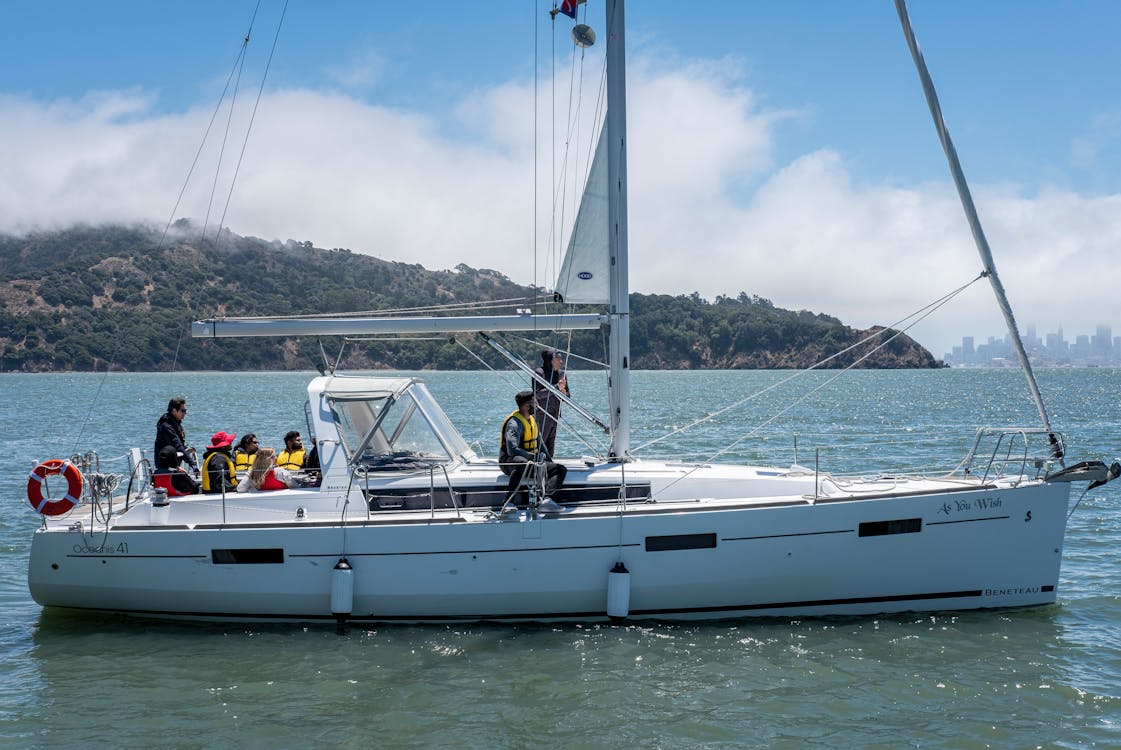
point(556, 188)
point(97, 396)
point(1078, 502)
point(221, 151)
point(513, 383)
point(790, 406)
point(591, 419)
point(540, 380)
point(252, 117)
point(602, 448)
point(928, 309)
point(507, 376)
point(599, 450)
point(568, 353)
point(552, 142)
point(823, 385)
point(482, 361)
point(537, 133)
point(567, 424)
point(572, 128)
point(192, 307)
point(206, 134)
point(222, 148)
point(577, 178)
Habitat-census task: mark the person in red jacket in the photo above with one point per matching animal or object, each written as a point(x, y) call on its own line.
point(265, 475)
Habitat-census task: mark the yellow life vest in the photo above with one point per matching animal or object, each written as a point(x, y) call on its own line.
point(291, 460)
point(529, 433)
point(206, 470)
point(243, 462)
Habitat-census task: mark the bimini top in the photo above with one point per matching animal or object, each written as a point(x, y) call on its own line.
point(357, 386)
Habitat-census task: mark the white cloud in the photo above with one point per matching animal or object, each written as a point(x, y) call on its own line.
point(340, 172)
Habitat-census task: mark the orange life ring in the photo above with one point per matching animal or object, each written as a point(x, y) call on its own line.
point(45, 505)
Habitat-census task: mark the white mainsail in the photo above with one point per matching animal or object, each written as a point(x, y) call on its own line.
point(584, 274)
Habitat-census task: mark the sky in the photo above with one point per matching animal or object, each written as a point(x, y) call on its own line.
point(779, 149)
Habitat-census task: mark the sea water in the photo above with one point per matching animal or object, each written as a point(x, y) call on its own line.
point(1044, 677)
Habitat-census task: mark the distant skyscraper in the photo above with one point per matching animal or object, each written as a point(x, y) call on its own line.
point(1102, 341)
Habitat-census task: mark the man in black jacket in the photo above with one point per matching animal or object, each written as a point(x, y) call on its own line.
point(169, 431)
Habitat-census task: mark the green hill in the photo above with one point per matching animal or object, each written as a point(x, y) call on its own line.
point(88, 298)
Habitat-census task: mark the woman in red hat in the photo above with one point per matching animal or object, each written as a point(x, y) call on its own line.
point(218, 465)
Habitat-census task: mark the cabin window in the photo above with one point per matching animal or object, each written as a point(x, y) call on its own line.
point(395, 430)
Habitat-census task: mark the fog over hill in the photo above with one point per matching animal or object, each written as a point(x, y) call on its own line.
point(90, 298)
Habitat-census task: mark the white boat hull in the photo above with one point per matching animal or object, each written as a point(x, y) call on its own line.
point(862, 551)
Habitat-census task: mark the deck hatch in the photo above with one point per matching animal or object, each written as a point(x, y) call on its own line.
point(680, 541)
point(896, 526)
point(273, 555)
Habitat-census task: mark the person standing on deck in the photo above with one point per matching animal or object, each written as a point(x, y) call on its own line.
point(547, 406)
point(169, 431)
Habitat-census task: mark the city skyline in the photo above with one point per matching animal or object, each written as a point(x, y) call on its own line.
point(1098, 348)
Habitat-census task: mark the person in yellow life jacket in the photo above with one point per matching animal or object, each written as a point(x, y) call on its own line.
point(520, 448)
point(292, 457)
point(244, 454)
point(218, 465)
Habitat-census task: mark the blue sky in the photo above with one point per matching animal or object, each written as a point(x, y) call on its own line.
point(785, 144)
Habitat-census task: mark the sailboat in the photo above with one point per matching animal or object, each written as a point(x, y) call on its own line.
point(409, 524)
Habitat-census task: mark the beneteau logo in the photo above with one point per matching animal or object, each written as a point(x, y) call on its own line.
point(585, 275)
point(1012, 591)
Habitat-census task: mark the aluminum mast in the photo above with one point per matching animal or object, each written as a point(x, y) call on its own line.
point(619, 341)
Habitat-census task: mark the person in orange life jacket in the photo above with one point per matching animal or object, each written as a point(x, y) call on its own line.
point(292, 457)
point(167, 462)
point(520, 448)
point(218, 466)
point(169, 431)
point(547, 409)
point(244, 453)
point(266, 475)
